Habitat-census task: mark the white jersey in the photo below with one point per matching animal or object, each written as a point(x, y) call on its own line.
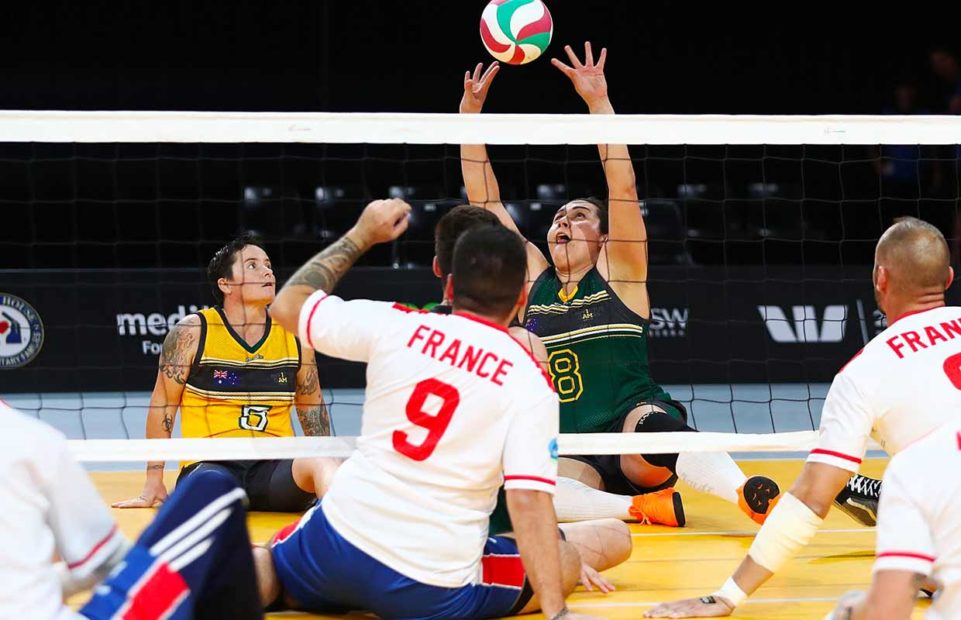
point(919, 520)
point(47, 505)
point(904, 384)
point(454, 407)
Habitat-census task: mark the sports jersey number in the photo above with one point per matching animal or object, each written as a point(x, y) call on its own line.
point(565, 373)
point(952, 368)
point(436, 425)
point(253, 417)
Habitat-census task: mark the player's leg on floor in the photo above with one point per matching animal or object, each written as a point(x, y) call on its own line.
point(602, 543)
point(314, 475)
point(194, 559)
point(272, 487)
point(580, 497)
point(570, 575)
point(859, 499)
point(715, 473)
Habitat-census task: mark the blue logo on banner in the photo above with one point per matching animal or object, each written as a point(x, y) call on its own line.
point(21, 332)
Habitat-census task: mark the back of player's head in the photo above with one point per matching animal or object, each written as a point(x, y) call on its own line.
point(489, 269)
point(451, 226)
point(915, 255)
point(222, 263)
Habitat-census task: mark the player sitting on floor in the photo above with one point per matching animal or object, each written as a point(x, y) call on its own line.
point(875, 395)
point(592, 311)
point(232, 372)
point(454, 406)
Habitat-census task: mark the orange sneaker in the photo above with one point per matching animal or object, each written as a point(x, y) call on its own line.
point(757, 498)
point(659, 508)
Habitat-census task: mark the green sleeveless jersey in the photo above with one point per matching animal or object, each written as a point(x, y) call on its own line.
point(597, 351)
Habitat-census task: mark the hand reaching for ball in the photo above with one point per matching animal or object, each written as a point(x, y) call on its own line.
point(476, 87)
point(588, 76)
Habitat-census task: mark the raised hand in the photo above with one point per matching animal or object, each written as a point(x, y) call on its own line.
point(588, 76)
point(476, 87)
point(383, 220)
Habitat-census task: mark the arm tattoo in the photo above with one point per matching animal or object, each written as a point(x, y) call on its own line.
point(168, 423)
point(326, 269)
point(175, 361)
point(314, 419)
point(310, 383)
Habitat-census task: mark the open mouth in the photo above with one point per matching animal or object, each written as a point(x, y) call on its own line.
point(269, 285)
point(561, 238)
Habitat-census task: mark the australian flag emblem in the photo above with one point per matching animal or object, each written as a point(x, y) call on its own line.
point(226, 377)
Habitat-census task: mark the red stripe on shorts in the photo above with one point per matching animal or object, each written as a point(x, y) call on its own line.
point(503, 570)
point(160, 594)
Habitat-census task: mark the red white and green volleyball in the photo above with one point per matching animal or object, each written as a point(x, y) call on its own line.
point(516, 31)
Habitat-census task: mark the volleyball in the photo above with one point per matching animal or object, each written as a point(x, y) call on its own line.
point(516, 31)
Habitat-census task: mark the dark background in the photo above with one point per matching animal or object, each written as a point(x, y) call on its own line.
point(383, 55)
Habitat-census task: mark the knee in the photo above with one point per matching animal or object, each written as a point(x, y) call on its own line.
point(618, 542)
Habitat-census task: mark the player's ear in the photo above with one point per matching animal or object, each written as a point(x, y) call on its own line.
point(881, 282)
point(449, 288)
point(224, 286)
point(947, 284)
point(436, 266)
point(521, 300)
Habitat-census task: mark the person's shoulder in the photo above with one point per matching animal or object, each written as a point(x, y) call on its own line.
point(931, 448)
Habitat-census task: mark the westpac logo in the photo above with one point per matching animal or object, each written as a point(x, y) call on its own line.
point(805, 326)
point(669, 322)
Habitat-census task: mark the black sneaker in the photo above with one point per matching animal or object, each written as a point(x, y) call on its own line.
point(859, 499)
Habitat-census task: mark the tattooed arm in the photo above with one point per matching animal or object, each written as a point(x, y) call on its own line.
point(309, 398)
point(381, 221)
point(176, 358)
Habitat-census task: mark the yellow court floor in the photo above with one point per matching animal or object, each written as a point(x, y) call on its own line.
point(667, 563)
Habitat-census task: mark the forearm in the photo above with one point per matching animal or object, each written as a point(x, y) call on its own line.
point(479, 180)
point(616, 159)
point(314, 419)
point(535, 527)
point(160, 423)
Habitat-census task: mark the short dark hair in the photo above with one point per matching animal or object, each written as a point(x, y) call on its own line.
point(601, 207)
point(489, 270)
point(223, 260)
point(452, 225)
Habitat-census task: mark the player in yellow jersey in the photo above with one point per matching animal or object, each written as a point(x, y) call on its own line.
point(234, 373)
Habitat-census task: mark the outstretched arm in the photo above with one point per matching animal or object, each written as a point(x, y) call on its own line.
point(626, 248)
point(479, 179)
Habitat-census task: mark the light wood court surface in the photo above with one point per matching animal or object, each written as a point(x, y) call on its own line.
point(666, 563)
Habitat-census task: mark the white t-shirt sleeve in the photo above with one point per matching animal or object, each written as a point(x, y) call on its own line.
point(345, 329)
point(85, 532)
point(530, 454)
point(904, 536)
point(846, 423)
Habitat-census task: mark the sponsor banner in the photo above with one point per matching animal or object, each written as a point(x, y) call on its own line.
point(104, 330)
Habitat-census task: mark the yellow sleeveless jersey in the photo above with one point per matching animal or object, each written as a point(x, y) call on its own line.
point(238, 390)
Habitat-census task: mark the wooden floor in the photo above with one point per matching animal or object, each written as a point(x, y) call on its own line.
point(666, 563)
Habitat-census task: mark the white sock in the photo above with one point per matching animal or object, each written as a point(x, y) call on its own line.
point(711, 472)
point(575, 501)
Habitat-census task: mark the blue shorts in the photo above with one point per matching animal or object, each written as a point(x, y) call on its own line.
point(325, 573)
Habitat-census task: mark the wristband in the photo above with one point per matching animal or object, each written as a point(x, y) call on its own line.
point(732, 592)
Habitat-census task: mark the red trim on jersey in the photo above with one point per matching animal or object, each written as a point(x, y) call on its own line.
point(479, 319)
point(95, 549)
point(912, 313)
point(905, 554)
point(848, 363)
point(503, 570)
point(839, 455)
point(408, 309)
point(160, 594)
point(534, 478)
point(310, 319)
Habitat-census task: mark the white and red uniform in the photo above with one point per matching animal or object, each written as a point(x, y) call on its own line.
point(919, 521)
point(47, 505)
point(904, 384)
point(454, 408)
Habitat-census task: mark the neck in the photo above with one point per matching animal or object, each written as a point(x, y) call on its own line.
point(571, 277)
point(248, 320)
point(926, 300)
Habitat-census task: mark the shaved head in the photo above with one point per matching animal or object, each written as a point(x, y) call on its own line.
point(915, 255)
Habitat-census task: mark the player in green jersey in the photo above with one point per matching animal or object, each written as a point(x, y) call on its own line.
point(592, 311)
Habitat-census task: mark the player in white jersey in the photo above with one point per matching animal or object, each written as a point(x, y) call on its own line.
point(902, 385)
point(454, 407)
point(919, 533)
point(193, 561)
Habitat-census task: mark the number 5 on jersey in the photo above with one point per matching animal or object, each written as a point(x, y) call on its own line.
point(436, 425)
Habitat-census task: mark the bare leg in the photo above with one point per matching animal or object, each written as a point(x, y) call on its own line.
point(570, 573)
point(314, 475)
point(602, 543)
point(267, 582)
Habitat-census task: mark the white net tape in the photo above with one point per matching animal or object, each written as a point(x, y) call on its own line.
point(227, 449)
point(396, 128)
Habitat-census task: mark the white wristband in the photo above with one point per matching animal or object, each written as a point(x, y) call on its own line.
point(732, 592)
